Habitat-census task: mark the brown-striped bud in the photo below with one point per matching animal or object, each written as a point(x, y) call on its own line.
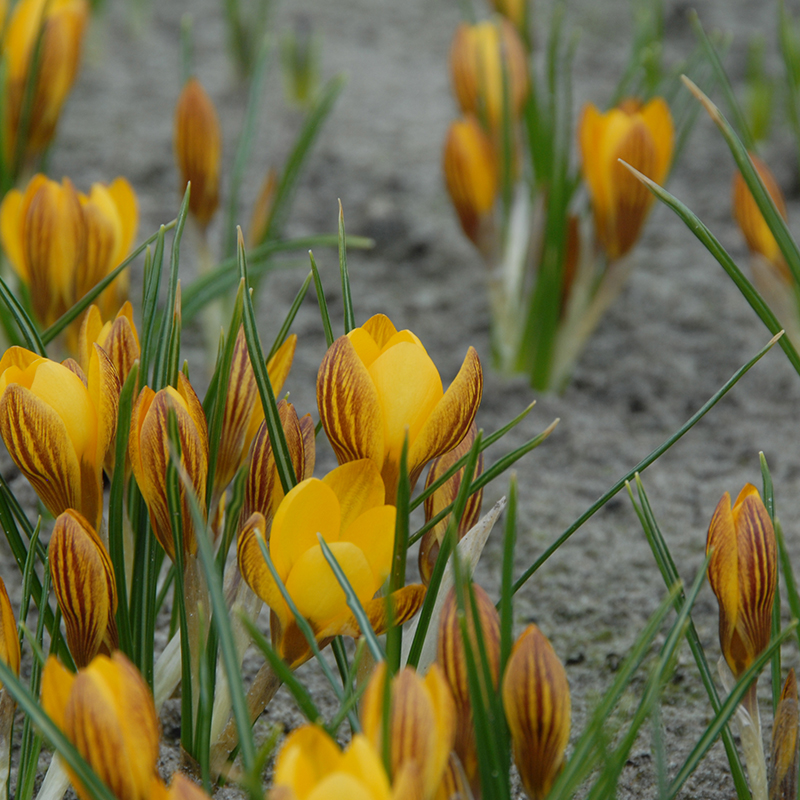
point(83, 580)
point(537, 705)
point(470, 174)
point(198, 149)
point(443, 497)
point(482, 58)
point(751, 222)
point(783, 760)
point(119, 339)
point(451, 657)
point(421, 722)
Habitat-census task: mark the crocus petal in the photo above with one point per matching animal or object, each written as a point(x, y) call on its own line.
point(373, 534)
point(349, 406)
point(57, 682)
point(358, 487)
point(11, 215)
point(658, 119)
point(405, 604)
point(307, 755)
point(255, 570)
point(9, 636)
point(452, 417)
point(380, 328)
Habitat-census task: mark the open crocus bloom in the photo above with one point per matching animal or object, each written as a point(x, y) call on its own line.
point(643, 136)
point(58, 428)
point(376, 383)
point(347, 509)
point(311, 766)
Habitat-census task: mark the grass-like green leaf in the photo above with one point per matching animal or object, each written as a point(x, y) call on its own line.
point(290, 316)
point(507, 580)
point(26, 325)
point(644, 463)
point(323, 303)
point(347, 297)
point(397, 576)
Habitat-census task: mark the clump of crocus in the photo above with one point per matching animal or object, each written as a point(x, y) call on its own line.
point(348, 510)
point(58, 27)
point(198, 149)
point(641, 135)
point(58, 426)
point(538, 709)
point(61, 243)
point(421, 726)
point(85, 587)
point(743, 574)
point(377, 384)
point(149, 449)
point(470, 172)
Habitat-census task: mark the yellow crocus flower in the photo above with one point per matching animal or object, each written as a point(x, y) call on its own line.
point(783, 761)
point(244, 412)
point(85, 587)
point(538, 710)
point(422, 723)
point(62, 24)
point(198, 149)
point(149, 450)
point(58, 427)
point(377, 383)
point(743, 574)
point(642, 136)
point(348, 509)
point(311, 766)
point(470, 173)
point(479, 57)
point(9, 636)
point(61, 243)
point(107, 712)
point(748, 216)
point(119, 339)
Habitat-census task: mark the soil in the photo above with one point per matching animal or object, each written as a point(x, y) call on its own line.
point(679, 330)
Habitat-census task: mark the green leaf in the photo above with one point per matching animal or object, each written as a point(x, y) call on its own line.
point(323, 303)
point(25, 324)
point(347, 297)
point(397, 576)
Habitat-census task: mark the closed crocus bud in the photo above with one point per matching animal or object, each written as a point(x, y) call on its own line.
point(516, 11)
point(118, 338)
point(263, 491)
point(244, 412)
point(479, 57)
point(107, 712)
point(452, 659)
point(149, 450)
point(443, 497)
point(421, 722)
point(198, 149)
point(378, 384)
point(44, 237)
point(783, 761)
point(470, 173)
point(311, 765)
point(9, 636)
point(58, 429)
point(537, 705)
point(642, 136)
point(743, 574)
point(61, 24)
point(748, 216)
point(347, 509)
point(83, 579)
point(111, 216)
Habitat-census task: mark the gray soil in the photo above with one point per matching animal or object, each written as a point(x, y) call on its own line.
point(679, 330)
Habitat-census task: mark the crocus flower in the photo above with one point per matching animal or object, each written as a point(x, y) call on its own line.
point(451, 657)
point(85, 587)
point(470, 173)
point(422, 722)
point(61, 243)
point(783, 762)
point(107, 712)
point(243, 410)
point(348, 509)
point(642, 136)
point(479, 57)
point(743, 574)
point(376, 383)
point(148, 446)
point(311, 766)
point(61, 23)
point(445, 495)
point(119, 339)
point(9, 636)
point(537, 705)
point(198, 149)
point(748, 216)
point(58, 427)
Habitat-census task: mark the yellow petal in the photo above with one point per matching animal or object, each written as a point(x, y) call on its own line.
point(380, 329)
point(255, 570)
point(348, 404)
point(307, 755)
point(11, 216)
point(358, 487)
point(127, 206)
point(783, 763)
point(373, 534)
point(57, 682)
point(405, 604)
point(9, 636)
